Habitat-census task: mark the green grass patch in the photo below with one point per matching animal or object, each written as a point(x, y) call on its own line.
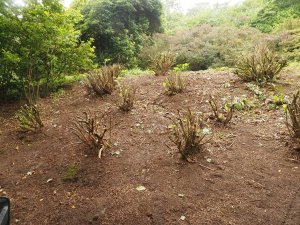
point(136, 72)
point(225, 69)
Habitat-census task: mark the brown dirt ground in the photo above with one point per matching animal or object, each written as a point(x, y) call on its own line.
point(253, 177)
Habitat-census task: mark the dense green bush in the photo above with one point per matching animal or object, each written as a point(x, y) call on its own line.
point(39, 44)
point(204, 46)
point(289, 44)
point(260, 66)
point(238, 15)
point(274, 13)
point(119, 27)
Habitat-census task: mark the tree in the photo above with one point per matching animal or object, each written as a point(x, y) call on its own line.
point(276, 12)
point(9, 59)
point(39, 44)
point(118, 27)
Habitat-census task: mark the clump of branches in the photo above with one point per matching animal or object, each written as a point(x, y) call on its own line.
point(162, 63)
point(31, 91)
point(189, 133)
point(223, 114)
point(293, 116)
point(174, 83)
point(261, 66)
point(113, 70)
point(29, 118)
point(91, 130)
point(102, 81)
point(127, 94)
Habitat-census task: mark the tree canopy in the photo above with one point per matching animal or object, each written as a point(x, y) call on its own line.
point(118, 27)
point(39, 44)
point(276, 12)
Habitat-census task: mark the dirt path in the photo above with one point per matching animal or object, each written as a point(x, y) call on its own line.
point(247, 175)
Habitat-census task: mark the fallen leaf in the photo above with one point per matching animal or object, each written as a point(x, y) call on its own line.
point(141, 188)
point(30, 173)
point(116, 153)
point(209, 160)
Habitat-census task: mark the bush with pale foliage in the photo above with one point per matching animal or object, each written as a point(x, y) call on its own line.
point(261, 66)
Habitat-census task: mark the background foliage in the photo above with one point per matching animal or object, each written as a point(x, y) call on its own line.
point(42, 43)
point(119, 27)
point(216, 36)
point(39, 45)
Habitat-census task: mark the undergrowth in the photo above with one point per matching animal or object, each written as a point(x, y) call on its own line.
point(127, 94)
point(174, 83)
point(91, 130)
point(29, 118)
point(162, 63)
point(189, 133)
point(103, 81)
point(221, 114)
point(261, 66)
point(293, 116)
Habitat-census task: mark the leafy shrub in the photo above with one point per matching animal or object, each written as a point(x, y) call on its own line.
point(181, 67)
point(289, 44)
point(162, 63)
point(91, 130)
point(29, 118)
point(113, 70)
point(243, 103)
point(174, 83)
point(101, 81)
point(276, 101)
point(127, 94)
point(276, 12)
point(256, 90)
point(119, 27)
point(71, 173)
point(189, 133)
point(225, 115)
point(293, 116)
point(205, 46)
point(261, 66)
point(41, 49)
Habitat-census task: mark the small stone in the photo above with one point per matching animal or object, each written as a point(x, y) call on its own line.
point(141, 188)
point(209, 160)
point(116, 153)
point(30, 173)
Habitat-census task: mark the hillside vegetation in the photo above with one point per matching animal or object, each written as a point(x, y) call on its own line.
point(135, 112)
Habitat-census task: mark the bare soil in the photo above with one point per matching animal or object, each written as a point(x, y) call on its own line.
point(248, 174)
